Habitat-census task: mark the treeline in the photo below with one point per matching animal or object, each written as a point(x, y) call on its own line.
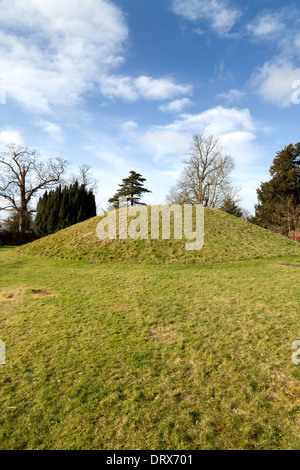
point(16, 238)
point(56, 209)
point(23, 174)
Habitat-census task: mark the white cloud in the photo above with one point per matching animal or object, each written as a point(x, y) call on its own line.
point(103, 153)
point(175, 106)
point(58, 50)
point(10, 136)
point(235, 127)
point(52, 52)
point(232, 95)
point(129, 126)
point(266, 25)
point(216, 121)
point(219, 13)
point(274, 81)
point(296, 43)
point(241, 145)
point(163, 143)
point(149, 88)
point(53, 130)
point(2, 92)
point(120, 87)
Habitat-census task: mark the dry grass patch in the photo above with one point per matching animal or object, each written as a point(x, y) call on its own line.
point(18, 293)
point(287, 388)
point(9, 294)
point(166, 335)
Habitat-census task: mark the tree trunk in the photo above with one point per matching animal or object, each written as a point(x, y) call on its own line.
point(23, 220)
point(23, 212)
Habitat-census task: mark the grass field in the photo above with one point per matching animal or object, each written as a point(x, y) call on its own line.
point(4, 248)
point(143, 345)
point(133, 356)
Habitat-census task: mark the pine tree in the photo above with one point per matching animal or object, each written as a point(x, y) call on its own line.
point(231, 207)
point(132, 188)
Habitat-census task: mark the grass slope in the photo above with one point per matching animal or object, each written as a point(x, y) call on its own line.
point(227, 238)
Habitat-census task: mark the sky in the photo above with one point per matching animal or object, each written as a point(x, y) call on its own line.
point(124, 85)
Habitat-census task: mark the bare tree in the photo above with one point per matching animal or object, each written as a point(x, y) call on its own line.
point(286, 217)
point(205, 177)
point(22, 176)
point(246, 215)
point(85, 178)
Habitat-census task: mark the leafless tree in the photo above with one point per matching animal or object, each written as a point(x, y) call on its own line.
point(85, 178)
point(22, 175)
point(246, 215)
point(205, 177)
point(286, 217)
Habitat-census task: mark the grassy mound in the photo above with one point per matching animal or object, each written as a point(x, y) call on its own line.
point(227, 238)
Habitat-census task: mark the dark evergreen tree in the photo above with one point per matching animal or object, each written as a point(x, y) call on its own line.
point(231, 206)
point(63, 207)
point(40, 223)
point(284, 185)
point(132, 187)
point(279, 199)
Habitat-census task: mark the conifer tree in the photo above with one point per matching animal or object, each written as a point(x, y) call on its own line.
point(283, 188)
point(231, 206)
point(132, 187)
point(63, 207)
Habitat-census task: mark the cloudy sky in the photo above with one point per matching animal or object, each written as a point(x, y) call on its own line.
point(124, 85)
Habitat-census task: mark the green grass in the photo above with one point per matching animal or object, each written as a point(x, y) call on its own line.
point(143, 345)
point(227, 238)
point(139, 356)
point(4, 248)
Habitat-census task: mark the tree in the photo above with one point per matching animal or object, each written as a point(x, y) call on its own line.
point(23, 174)
point(279, 198)
point(246, 215)
point(85, 178)
point(205, 177)
point(63, 207)
point(11, 223)
point(230, 205)
point(286, 218)
point(132, 188)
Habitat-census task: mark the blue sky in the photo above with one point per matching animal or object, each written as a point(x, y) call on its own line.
point(124, 85)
